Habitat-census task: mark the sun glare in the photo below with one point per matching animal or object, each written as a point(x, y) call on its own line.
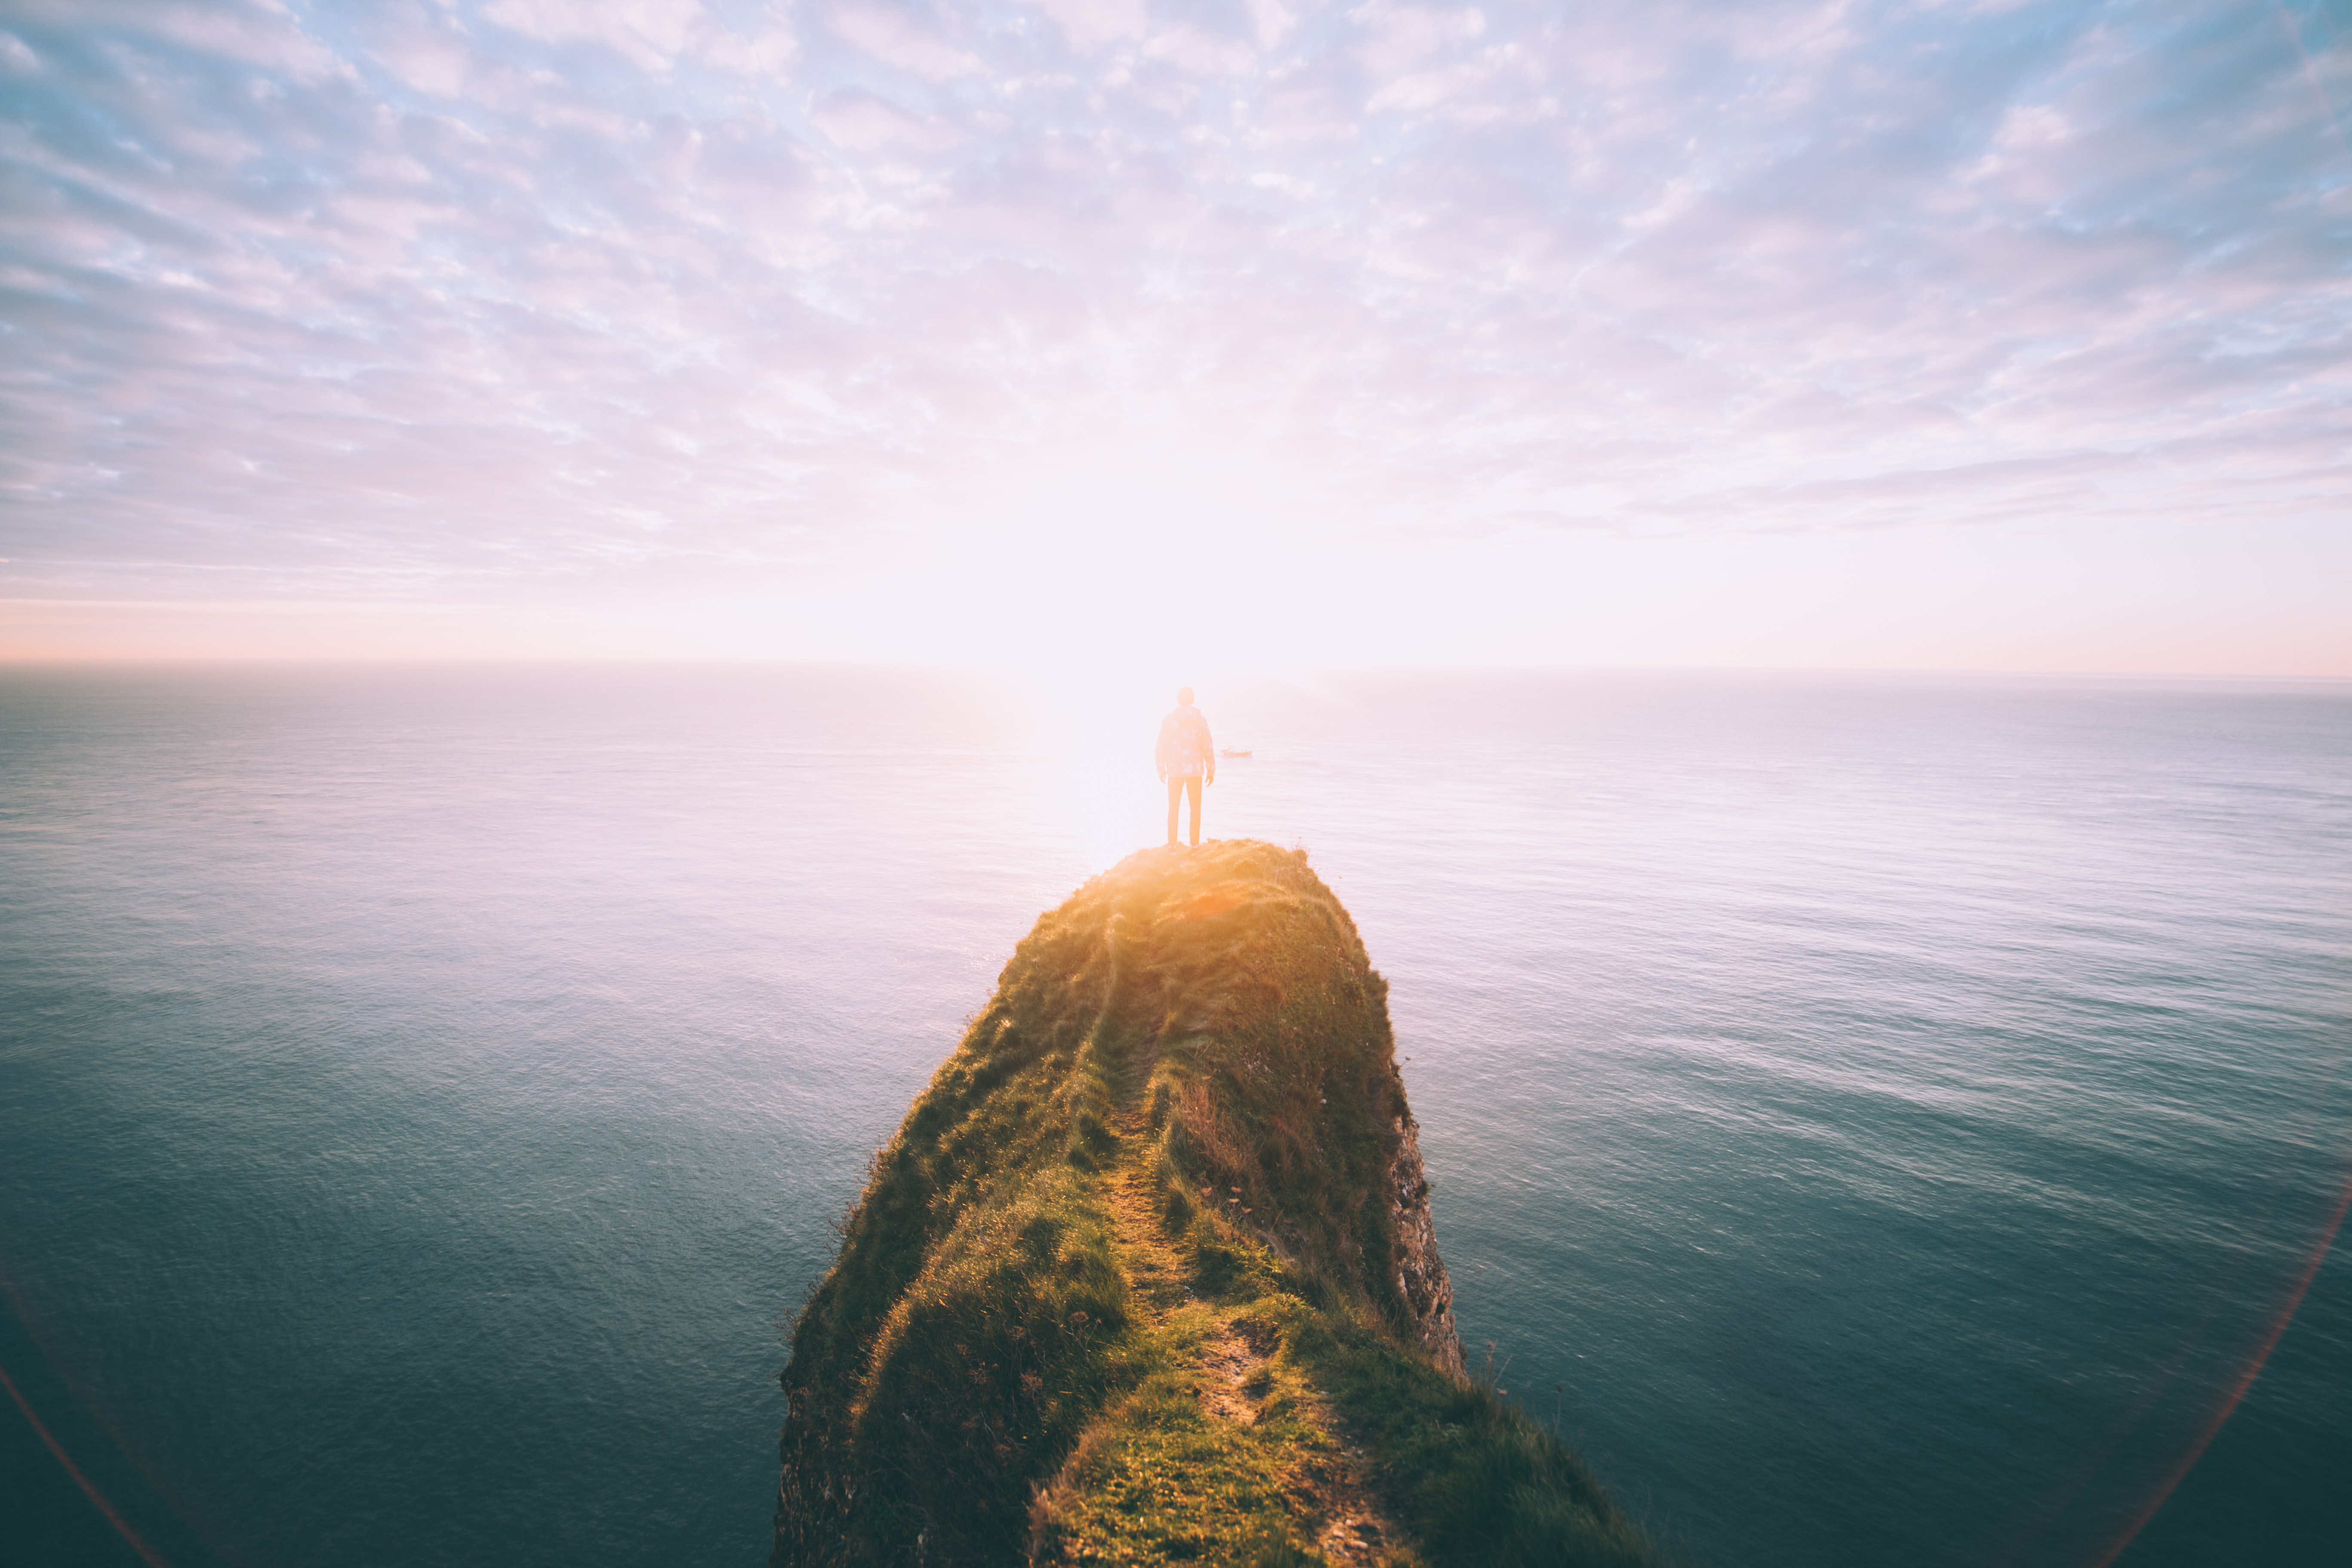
point(1094, 562)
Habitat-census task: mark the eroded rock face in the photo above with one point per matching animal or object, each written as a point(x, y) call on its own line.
point(1421, 1275)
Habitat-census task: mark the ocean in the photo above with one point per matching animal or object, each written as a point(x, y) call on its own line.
point(1876, 1120)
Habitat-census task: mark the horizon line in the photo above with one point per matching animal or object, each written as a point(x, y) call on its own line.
point(12, 662)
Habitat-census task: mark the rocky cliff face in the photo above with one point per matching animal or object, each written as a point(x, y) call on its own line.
point(1421, 1276)
point(1148, 1273)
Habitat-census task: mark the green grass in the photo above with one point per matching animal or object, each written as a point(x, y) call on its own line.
point(1013, 1360)
point(1159, 1481)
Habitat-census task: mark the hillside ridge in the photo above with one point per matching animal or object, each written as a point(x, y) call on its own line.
point(1149, 1274)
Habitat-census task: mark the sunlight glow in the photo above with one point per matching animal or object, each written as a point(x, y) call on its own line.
point(1123, 557)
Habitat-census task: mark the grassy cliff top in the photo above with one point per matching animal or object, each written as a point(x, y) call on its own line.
point(1147, 1274)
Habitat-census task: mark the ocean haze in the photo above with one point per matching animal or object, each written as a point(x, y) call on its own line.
point(1878, 1118)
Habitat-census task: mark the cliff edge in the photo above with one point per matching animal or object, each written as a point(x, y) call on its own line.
point(1148, 1274)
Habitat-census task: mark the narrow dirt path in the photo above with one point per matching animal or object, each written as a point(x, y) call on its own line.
point(1230, 1374)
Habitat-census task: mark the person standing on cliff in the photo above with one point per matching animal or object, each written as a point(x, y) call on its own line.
point(1187, 758)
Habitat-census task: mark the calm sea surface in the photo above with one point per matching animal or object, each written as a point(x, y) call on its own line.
point(1879, 1121)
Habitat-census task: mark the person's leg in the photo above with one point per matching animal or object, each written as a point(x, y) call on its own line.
point(1175, 793)
point(1192, 786)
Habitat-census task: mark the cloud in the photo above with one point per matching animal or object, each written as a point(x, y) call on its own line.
point(863, 121)
point(648, 34)
point(1398, 39)
point(901, 37)
point(421, 57)
point(1089, 24)
point(578, 300)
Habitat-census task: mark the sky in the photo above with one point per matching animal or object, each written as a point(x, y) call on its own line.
point(2011, 336)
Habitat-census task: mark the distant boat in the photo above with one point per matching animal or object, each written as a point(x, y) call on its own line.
point(1231, 751)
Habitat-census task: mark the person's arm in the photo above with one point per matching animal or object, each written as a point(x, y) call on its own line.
point(1208, 751)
